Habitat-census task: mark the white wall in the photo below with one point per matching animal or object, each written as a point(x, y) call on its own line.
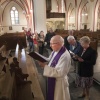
point(7, 19)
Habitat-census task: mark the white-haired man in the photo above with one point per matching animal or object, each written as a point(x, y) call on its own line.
point(57, 70)
point(75, 47)
point(70, 33)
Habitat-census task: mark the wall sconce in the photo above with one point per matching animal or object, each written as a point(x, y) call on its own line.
point(31, 10)
point(23, 28)
point(24, 12)
point(10, 27)
point(84, 14)
point(72, 17)
point(27, 15)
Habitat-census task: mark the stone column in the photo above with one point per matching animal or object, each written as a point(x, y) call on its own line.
point(39, 15)
point(66, 21)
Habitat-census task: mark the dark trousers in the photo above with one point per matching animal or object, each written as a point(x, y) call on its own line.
point(41, 49)
point(31, 46)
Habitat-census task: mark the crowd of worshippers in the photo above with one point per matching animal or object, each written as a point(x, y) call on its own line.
point(68, 55)
point(38, 41)
point(82, 62)
point(83, 59)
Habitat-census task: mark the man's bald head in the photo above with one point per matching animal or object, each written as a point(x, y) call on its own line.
point(58, 38)
point(56, 42)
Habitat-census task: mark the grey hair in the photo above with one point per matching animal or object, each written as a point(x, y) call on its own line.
point(85, 39)
point(70, 38)
point(59, 39)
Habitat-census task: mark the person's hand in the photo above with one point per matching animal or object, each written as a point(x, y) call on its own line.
point(74, 57)
point(80, 59)
point(45, 43)
point(42, 64)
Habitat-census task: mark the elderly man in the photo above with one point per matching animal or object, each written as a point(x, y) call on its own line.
point(74, 45)
point(70, 33)
point(57, 70)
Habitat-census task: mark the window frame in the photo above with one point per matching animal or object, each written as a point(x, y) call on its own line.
point(16, 22)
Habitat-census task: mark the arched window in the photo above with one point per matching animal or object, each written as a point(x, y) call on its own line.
point(14, 16)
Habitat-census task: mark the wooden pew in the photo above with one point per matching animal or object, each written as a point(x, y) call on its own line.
point(2, 48)
point(11, 40)
point(9, 86)
point(94, 44)
point(93, 36)
point(7, 82)
point(7, 55)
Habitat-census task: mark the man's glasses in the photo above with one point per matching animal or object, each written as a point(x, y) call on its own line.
point(53, 43)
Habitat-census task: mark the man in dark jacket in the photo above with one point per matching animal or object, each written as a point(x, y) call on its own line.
point(70, 33)
point(74, 46)
point(48, 37)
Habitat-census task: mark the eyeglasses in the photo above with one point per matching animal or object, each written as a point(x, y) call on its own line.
point(53, 43)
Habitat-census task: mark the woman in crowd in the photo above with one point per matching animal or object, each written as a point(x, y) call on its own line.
point(87, 59)
point(35, 41)
point(30, 40)
point(41, 42)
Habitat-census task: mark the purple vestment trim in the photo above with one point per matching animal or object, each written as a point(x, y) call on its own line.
point(51, 81)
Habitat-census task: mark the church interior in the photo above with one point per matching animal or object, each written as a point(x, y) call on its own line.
point(82, 17)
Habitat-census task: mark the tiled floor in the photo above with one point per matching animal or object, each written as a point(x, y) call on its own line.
point(75, 92)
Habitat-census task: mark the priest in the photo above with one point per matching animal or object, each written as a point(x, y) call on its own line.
point(57, 69)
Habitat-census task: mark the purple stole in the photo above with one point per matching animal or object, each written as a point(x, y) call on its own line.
point(51, 81)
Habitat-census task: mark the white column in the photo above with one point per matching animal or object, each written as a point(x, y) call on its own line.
point(66, 21)
point(40, 15)
point(92, 20)
point(54, 6)
point(76, 18)
point(91, 17)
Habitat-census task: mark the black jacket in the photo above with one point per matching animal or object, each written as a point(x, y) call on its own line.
point(85, 69)
point(48, 38)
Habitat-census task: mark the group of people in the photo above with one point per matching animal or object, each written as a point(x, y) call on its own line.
point(82, 62)
point(82, 59)
point(67, 55)
point(37, 41)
